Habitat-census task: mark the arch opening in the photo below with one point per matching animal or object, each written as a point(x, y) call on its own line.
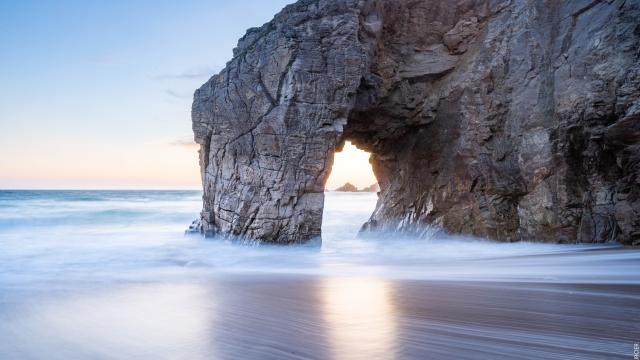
point(351, 195)
point(351, 166)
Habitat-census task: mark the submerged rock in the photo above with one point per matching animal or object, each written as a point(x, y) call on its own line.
point(506, 119)
point(348, 187)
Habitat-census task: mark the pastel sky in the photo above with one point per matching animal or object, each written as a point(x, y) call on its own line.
point(97, 94)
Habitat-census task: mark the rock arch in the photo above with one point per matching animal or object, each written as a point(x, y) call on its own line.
point(505, 119)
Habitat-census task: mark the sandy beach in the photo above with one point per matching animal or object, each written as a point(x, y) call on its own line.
point(311, 317)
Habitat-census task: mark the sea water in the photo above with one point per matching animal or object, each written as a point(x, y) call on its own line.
point(66, 236)
point(110, 274)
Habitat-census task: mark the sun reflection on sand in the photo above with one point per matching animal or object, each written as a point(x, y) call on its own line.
point(360, 317)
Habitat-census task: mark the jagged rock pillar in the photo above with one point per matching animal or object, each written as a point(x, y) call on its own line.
point(268, 124)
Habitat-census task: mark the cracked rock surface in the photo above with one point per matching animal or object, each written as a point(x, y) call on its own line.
point(503, 119)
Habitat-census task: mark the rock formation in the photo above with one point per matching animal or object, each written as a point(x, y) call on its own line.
point(371, 188)
point(507, 119)
point(348, 187)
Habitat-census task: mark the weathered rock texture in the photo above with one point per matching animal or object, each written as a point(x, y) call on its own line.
point(505, 119)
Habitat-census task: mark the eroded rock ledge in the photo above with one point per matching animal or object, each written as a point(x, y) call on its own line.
point(504, 119)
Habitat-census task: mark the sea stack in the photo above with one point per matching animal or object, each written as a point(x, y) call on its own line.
point(348, 187)
point(502, 119)
point(371, 188)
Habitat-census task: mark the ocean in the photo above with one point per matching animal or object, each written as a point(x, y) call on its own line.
point(111, 275)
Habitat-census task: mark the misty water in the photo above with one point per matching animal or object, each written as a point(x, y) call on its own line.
point(110, 275)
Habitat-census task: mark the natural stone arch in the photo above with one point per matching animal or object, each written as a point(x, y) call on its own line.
point(484, 117)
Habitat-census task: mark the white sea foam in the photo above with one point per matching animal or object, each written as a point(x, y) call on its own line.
point(111, 235)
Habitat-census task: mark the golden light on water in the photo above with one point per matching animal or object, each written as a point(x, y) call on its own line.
point(360, 318)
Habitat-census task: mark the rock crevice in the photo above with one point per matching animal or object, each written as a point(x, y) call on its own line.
point(503, 119)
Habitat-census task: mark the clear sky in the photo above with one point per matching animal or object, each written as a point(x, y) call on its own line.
point(97, 94)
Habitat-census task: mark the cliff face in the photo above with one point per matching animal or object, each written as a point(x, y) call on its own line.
point(505, 119)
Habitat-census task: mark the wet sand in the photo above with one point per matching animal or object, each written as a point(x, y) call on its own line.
point(316, 317)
